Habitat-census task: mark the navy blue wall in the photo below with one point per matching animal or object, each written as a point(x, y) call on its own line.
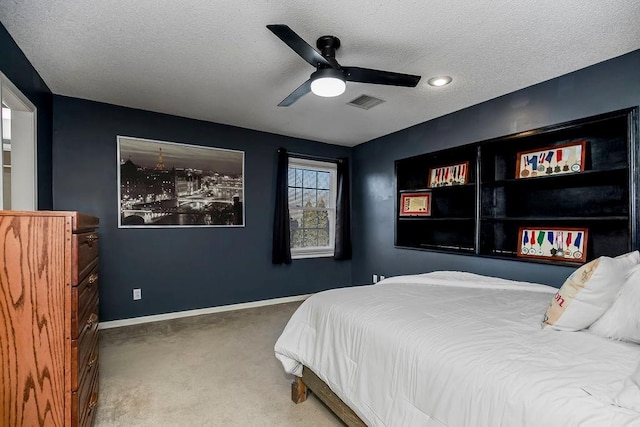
point(608, 86)
point(19, 70)
point(179, 269)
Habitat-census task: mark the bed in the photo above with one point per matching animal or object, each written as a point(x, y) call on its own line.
point(453, 349)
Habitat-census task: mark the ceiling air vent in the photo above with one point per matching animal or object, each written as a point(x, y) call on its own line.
point(365, 102)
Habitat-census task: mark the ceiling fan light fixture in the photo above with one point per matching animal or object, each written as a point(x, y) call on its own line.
point(439, 81)
point(328, 82)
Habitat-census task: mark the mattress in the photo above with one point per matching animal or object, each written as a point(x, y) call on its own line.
point(456, 349)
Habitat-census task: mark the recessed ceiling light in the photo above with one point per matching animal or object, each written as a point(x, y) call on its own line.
point(439, 80)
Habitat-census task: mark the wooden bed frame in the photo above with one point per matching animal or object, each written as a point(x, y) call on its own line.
point(310, 382)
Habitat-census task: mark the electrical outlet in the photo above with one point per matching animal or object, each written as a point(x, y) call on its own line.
point(137, 294)
point(375, 278)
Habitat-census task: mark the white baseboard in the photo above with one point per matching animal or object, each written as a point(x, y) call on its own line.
point(198, 312)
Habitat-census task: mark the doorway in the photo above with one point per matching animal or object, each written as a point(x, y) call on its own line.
point(18, 130)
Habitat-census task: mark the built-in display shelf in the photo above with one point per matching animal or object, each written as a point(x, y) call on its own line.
point(485, 215)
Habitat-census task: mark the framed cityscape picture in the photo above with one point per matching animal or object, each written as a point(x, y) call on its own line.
point(165, 184)
point(554, 160)
point(415, 204)
point(560, 244)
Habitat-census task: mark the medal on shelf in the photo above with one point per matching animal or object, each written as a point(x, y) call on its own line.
point(558, 244)
point(557, 169)
point(548, 159)
point(576, 243)
point(540, 240)
point(553, 250)
point(534, 166)
point(525, 240)
point(541, 162)
point(525, 172)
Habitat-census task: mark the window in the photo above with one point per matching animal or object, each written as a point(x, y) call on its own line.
point(312, 207)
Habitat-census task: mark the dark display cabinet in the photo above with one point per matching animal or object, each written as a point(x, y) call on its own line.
point(581, 175)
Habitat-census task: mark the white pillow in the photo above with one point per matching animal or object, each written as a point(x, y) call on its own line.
point(622, 320)
point(629, 396)
point(588, 292)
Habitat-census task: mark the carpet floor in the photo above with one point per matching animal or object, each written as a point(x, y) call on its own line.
point(211, 370)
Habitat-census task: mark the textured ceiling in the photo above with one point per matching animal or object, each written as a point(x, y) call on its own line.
point(216, 61)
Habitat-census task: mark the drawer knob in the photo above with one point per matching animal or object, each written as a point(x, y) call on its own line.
point(91, 238)
point(94, 401)
point(93, 361)
point(92, 319)
point(93, 278)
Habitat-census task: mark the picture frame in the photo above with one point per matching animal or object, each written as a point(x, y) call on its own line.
point(551, 160)
point(415, 204)
point(168, 184)
point(568, 244)
point(449, 175)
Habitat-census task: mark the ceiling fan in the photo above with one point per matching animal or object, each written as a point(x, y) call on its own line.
point(330, 78)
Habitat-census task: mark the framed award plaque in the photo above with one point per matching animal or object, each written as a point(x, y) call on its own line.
point(415, 204)
point(445, 176)
point(560, 244)
point(555, 160)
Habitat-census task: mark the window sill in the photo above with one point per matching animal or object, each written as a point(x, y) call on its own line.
point(305, 255)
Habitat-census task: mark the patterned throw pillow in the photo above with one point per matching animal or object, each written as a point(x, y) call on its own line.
point(588, 292)
point(622, 320)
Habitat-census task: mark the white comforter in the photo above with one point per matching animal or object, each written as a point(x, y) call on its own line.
point(456, 349)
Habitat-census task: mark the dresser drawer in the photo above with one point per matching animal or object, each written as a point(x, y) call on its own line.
point(89, 331)
point(82, 348)
point(82, 222)
point(83, 363)
point(86, 313)
point(90, 414)
point(82, 297)
point(84, 401)
point(84, 248)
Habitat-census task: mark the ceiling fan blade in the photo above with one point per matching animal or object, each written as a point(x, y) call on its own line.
point(302, 90)
point(378, 77)
point(299, 46)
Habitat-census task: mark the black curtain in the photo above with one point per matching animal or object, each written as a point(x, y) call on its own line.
point(343, 213)
point(281, 252)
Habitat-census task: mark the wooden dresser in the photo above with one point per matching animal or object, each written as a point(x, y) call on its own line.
point(48, 318)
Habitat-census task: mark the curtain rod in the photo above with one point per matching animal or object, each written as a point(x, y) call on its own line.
point(311, 157)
